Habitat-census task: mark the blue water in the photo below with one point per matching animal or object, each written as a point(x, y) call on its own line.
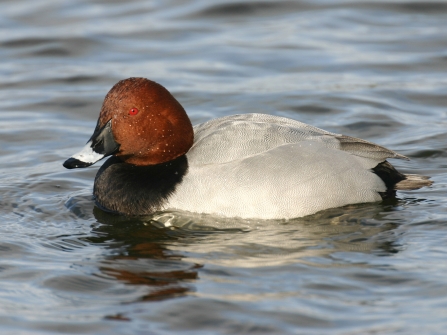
point(370, 69)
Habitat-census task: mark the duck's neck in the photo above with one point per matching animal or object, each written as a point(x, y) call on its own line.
point(137, 190)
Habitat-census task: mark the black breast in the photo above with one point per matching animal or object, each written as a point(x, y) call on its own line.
point(137, 190)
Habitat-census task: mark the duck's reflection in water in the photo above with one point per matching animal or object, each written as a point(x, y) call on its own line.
point(139, 256)
point(163, 253)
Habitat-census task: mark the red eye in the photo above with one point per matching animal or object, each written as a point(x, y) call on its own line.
point(133, 111)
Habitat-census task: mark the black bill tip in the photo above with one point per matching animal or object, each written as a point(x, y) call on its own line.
point(73, 163)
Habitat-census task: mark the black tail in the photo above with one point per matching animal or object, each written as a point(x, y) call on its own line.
point(394, 180)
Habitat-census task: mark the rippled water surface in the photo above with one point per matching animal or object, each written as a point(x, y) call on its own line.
point(370, 69)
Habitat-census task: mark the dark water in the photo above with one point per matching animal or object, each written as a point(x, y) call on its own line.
point(371, 69)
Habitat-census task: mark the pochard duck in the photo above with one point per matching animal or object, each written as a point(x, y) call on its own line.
point(249, 165)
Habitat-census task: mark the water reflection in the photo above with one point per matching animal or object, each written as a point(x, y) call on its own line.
point(311, 240)
point(140, 256)
point(166, 252)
